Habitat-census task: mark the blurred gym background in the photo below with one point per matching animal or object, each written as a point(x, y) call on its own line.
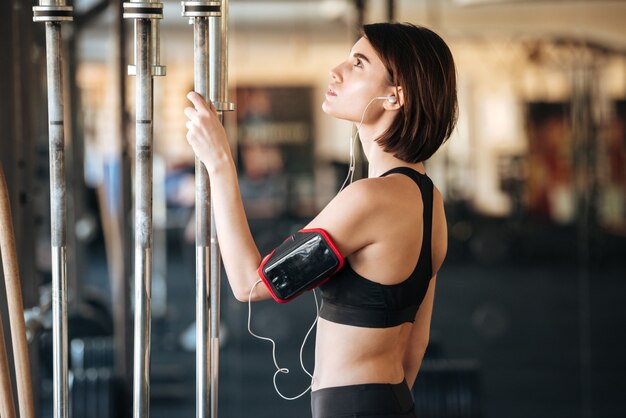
point(529, 316)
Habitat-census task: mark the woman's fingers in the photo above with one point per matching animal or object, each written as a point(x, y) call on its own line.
point(191, 113)
point(212, 107)
point(201, 105)
point(191, 126)
point(205, 132)
point(194, 139)
point(198, 102)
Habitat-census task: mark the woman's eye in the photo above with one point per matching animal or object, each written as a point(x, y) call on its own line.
point(358, 63)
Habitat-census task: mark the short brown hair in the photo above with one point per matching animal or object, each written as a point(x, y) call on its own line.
point(421, 63)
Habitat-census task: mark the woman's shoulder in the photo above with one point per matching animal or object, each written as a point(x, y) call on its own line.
point(367, 186)
point(385, 189)
point(386, 198)
point(371, 192)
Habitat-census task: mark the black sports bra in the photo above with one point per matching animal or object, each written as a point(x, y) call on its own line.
point(351, 299)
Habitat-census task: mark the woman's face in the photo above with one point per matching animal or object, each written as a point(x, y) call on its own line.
point(355, 82)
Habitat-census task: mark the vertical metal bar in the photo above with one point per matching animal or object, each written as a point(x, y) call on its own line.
point(146, 66)
point(218, 77)
point(58, 219)
point(53, 12)
point(210, 58)
point(215, 73)
point(201, 79)
point(143, 217)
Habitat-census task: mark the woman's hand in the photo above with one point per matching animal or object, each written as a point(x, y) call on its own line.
point(205, 133)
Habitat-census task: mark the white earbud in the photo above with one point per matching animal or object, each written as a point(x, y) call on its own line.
point(390, 99)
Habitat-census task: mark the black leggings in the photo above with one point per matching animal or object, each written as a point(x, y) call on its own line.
point(373, 400)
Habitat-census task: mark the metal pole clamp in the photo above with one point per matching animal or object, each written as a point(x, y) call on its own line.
point(201, 8)
point(137, 10)
point(52, 14)
point(152, 11)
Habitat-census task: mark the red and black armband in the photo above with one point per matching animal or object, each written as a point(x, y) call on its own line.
point(303, 261)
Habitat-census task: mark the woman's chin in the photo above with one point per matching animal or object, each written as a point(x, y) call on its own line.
point(326, 108)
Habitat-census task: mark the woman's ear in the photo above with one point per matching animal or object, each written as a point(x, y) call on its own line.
point(391, 104)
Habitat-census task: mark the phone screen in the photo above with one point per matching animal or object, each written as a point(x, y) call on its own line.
point(298, 269)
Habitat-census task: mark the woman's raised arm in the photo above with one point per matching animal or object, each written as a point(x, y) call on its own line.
point(240, 255)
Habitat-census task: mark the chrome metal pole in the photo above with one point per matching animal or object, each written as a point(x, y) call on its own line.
point(201, 78)
point(218, 77)
point(146, 66)
point(53, 13)
point(210, 81)
point(143, 220)
point(198, 13)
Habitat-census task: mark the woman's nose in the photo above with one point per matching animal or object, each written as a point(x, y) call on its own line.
point(335, 73)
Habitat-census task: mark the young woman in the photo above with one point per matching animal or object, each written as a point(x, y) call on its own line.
point(399, 85)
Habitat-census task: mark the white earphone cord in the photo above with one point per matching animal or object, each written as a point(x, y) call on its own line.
point(353, 138)
point(278, 368)
point(283, 369)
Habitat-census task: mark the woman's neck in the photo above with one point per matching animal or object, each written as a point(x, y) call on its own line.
point(378, 160)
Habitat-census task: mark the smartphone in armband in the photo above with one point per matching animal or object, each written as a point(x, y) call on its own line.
point(303, 261)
